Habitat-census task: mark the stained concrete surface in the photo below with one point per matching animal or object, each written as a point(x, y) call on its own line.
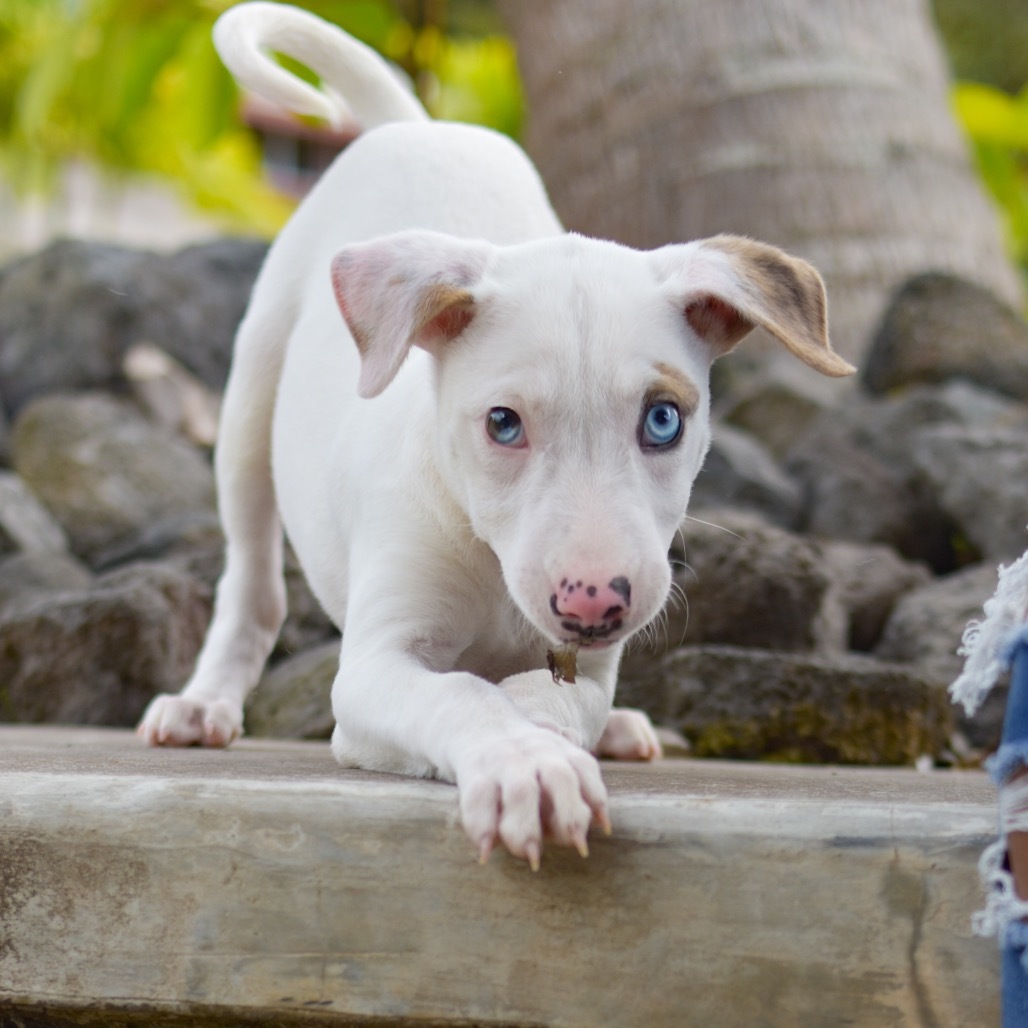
point(265, 885)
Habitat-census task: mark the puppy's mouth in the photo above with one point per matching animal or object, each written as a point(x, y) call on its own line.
point(590, 644)
point(596, 637)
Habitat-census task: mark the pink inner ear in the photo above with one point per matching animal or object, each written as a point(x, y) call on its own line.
point(447, 324)
point(715, 321)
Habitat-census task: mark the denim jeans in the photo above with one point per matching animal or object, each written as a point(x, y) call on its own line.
point(1008, 760)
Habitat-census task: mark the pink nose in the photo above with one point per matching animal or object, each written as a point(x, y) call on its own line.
point(587, 609)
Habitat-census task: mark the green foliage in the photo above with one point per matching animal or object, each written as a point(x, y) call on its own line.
point(986, 40)
point(480, 83)
point(136, 86)
point(997, 124)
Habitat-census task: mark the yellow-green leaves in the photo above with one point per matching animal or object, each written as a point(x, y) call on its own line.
point(136, 86)
point(997, 125)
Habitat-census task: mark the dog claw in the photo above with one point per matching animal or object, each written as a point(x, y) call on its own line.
point(532, 855)
point(581, 844)
point(484, 850)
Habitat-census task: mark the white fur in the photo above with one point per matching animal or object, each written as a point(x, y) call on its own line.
point(437, 549)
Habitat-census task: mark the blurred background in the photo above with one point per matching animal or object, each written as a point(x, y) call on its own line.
point(118, 121)
point(886, 141)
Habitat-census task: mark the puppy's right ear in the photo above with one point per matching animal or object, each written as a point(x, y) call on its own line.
point(404, 290)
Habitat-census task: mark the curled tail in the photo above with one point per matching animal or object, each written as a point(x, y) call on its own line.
point(358, 80)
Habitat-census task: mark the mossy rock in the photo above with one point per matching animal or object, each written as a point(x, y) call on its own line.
point(757, 704)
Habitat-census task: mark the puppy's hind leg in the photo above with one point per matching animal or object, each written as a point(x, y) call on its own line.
point(250, 603)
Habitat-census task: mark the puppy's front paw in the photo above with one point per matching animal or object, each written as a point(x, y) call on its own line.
point(629, 735)
point(177, 721)
point(528, 788)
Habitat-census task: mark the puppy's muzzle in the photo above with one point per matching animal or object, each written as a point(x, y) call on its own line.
point(589, 612)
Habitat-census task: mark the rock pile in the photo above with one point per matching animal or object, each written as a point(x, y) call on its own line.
point(837, 543)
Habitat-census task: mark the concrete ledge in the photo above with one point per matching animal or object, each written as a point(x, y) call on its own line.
point(263, 885)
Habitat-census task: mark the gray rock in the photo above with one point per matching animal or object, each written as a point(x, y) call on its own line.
point(927, 623)
point(306, 622)
point(170, 395)
point(98, 656)
point(979, 478)
point(740, 472)
point(193, 542)
point(189, 539)
point(869, 579)
point(925, 629)
point(744, 582)
point(756, 704)
point(5, 437)
point(25, 524)
point(26, 578)
point(939, 327)
point(66, 315)
point(861, 480)
point(851, 494)
point(292, 700)
point(69, 313)
point(886, 423)
point(104, 472)
point(777, 402)
point(888, 427)
point(195, 305)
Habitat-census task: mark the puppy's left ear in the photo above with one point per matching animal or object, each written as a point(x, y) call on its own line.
point(404, 290)
point(726, 286)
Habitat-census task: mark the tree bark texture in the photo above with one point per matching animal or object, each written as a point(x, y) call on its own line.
point(821, 127)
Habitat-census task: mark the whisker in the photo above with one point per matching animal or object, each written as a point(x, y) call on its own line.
point(659, 625)
point(681, 600)
point(710, 524)
point(684, 565)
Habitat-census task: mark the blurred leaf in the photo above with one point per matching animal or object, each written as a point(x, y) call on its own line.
point(991, 116)
point(478, 82)
point(136, 86)
point(997, 125)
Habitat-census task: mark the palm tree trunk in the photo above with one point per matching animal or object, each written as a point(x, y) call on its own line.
point(821, 127)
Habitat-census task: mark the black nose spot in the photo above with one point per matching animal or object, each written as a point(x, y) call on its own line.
point(621, 586)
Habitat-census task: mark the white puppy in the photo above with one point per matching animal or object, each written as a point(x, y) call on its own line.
point(480, 433)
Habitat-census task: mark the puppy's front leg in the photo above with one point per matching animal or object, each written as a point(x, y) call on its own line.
point(518, 782)
point(578, 710)
point(581, 711)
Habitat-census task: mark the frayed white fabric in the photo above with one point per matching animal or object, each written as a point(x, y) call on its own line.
point(1013, 806)
point(984, 645)
point(1003, 906)
point(983, 641)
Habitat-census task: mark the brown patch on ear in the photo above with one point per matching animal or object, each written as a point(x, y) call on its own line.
point(443, 311)
point(783, 295)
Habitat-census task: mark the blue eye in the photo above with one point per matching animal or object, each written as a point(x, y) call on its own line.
point(661, 425)
point(504, 427)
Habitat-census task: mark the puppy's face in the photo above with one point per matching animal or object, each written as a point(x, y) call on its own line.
point(572, 420)
point(572, 394)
